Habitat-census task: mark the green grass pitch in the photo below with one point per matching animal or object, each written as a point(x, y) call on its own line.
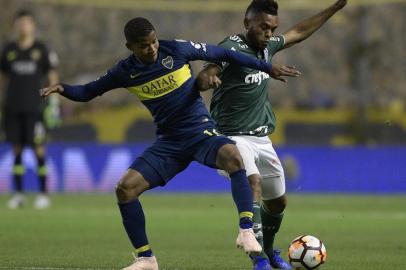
point(197, 231)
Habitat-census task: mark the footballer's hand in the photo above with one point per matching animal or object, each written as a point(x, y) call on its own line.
point(340, 4)
point(208, 81)
point(57, 88)
point(280, 71)
point(213, 82)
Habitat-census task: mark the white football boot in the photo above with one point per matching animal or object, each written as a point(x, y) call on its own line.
point(42, 201)
point(18, 200)
point(143, 263)
point(246, 240)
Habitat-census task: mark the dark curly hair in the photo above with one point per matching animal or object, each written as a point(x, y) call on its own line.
point(137, 28)
point(267, 6)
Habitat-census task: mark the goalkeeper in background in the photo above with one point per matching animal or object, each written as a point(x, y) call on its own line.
point(26, 65)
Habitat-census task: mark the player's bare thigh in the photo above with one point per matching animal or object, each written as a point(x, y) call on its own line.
point(131, 186)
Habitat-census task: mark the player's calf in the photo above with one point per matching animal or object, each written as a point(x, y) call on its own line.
point(256, 186)
point(230, 160)
point(271, 216)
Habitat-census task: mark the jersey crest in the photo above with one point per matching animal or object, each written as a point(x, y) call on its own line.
point(168, 62)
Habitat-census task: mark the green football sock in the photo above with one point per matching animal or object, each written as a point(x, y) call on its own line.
point(256, 219)
point(270, 226)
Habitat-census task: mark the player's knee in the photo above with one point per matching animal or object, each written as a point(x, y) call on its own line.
point(229, 159)
point(130, 186)
point(126, 193)
point(121, 192)
point(234, 163)
point(276, 206)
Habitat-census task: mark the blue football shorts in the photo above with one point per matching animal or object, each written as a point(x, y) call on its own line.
point(159, 163)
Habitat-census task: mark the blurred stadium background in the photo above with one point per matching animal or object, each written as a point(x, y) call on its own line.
point(347, 111)
point(341, 126)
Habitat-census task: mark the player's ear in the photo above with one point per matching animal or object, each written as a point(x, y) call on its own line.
point(246, 23)
point(128, 45)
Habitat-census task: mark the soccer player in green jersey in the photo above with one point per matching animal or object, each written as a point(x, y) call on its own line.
point(242, 110)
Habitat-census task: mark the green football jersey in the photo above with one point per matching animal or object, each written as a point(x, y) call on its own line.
point(241, 105)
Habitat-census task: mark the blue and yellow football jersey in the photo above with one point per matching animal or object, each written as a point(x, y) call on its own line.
point(166, 87)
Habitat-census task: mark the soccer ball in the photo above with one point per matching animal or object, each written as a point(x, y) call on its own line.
point(306, 252)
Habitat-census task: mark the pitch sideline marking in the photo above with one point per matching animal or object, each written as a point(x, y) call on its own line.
point(50, 268)
point(68, 268)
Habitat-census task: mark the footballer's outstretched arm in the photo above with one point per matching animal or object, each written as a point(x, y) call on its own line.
point(307, 27)
point(219, 54)
point(84, 92)
point(200, 51)
point(208, 78)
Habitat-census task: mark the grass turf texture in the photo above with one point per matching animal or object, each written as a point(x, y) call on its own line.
point(197, 231)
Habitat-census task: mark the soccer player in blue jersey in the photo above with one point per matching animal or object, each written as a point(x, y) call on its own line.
point(242, 110)
point(158, 72)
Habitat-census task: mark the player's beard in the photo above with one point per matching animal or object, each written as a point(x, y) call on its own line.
point(254, 42)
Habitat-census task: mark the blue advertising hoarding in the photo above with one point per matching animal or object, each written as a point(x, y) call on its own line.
point(98, 167)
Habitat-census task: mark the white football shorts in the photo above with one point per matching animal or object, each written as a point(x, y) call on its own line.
point(260, 157)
